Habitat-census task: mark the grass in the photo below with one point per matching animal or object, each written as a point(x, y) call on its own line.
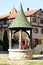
point(5, 61)
point(27, 62)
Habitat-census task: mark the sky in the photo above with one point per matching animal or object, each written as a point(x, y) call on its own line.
point(7, 5)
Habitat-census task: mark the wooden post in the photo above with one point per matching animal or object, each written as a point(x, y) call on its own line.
point(9, 39)
point(31, 37)
point(20, 40)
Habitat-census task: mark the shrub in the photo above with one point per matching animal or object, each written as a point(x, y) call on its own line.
point(33, 44)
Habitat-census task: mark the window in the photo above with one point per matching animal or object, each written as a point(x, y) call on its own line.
point(36, 41)
point(35, 30)
point(41, 21)
point(5, 22)
point(42, 31)
point(34, 19)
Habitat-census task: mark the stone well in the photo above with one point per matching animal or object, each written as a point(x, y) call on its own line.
point(16, 54)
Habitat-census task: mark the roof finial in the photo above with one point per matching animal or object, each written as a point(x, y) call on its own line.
point(21, 7)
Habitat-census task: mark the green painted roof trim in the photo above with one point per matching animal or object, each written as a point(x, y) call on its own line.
point(20, 21)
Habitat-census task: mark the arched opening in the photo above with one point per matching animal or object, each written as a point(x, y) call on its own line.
point(25, 40)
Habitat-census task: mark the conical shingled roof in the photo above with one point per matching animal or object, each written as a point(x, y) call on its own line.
point(20, 21)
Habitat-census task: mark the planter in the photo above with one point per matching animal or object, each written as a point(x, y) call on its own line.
point(16, 54)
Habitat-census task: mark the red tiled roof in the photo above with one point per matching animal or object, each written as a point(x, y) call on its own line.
point(27, 13)
point(13, 13)
point(4, 16)
point(30, 12)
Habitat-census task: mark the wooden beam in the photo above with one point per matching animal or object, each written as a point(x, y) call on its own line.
point(9, 39)
point(20, 39)
point(31, 37)
point(27, 33)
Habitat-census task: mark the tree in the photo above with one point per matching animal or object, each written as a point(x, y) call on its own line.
point(5, 41)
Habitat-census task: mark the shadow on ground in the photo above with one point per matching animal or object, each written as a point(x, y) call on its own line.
point(4, 52)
